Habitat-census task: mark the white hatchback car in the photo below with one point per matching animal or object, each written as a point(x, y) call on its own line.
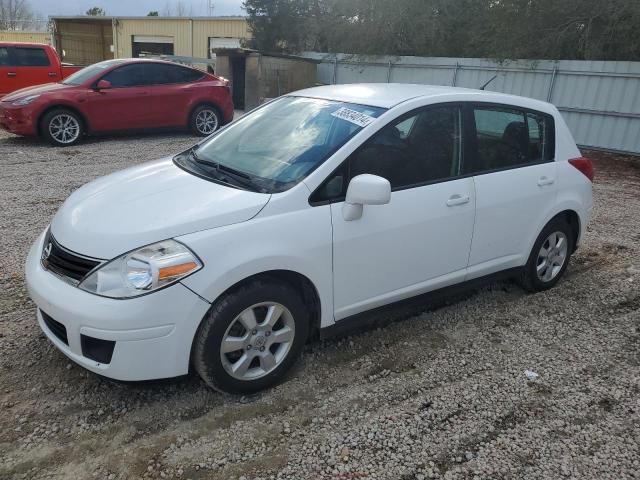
point(306, 212)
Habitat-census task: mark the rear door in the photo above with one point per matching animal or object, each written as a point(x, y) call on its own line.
point(513, 168)
point(30, 66)
point(126, 105)
point(172, 91)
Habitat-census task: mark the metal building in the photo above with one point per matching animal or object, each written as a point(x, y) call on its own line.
point(22, 36)
point(85, 40)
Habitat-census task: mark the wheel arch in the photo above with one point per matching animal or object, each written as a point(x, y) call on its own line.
point(573, 219)
point(62, 106)
point(299, 282)
point(201, 103)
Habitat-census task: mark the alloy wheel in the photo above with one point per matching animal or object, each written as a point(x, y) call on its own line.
point(64, 128)
point(552, 256)
point(257, 341)
point(206, 121)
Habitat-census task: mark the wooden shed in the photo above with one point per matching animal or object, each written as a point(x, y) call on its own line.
point(256, 76)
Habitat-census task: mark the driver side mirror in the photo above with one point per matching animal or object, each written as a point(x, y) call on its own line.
point(365, 190)
point(103, 85)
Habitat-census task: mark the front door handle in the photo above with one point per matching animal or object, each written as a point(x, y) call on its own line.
point(11, 74)
point(457, 199)
point(53, 74)
point(542, 181)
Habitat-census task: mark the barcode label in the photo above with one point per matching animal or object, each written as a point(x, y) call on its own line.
point(357, 118)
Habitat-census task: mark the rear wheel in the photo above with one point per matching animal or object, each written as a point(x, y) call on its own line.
point(61, 127)
point(549, 257)
point(251, 337)
point(205, 120)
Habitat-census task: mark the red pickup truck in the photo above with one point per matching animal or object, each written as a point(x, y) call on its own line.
point(26, 64)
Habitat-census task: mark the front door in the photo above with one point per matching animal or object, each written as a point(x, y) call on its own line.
point(126, 105)
point(418, 242)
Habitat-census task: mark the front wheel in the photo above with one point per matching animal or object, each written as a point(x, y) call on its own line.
point(251, 337)
point(61, 127)
point(205, 120)
point(549, 257)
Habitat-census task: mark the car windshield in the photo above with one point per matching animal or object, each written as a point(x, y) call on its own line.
point(86, 73)
point(276, 146)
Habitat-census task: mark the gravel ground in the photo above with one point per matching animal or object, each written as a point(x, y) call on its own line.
point(442, 394)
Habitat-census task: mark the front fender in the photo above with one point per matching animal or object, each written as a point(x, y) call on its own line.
point(298, 241)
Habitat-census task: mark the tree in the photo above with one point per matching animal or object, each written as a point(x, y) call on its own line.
point(153, 13)
point(544, 29)
point(96, 12)
point(177, 9)
point(15, 15)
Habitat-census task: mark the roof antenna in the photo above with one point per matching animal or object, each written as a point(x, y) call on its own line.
point(490, 80)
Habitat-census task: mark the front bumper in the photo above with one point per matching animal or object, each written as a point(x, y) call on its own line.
point(18, 120)
point(152, 333)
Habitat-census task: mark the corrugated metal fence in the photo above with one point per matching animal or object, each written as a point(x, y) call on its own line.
point(599, 100)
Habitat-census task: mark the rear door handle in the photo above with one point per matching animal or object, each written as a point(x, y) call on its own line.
point(53, 74)
point(542, 181)
point(457, 199)
point(11, 74)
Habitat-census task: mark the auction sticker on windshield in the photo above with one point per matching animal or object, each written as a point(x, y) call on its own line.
point(357, 118)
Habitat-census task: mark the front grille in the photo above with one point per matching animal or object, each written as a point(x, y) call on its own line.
point(65, 263)
point(58, 329)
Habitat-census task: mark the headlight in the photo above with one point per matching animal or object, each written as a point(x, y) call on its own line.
point(25, 100)
point(142, 271)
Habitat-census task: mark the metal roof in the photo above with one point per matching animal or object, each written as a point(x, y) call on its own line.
point(109, 18)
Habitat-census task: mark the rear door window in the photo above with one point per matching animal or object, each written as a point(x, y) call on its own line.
point(162, 74)
point(508, 137)
point(30, 57)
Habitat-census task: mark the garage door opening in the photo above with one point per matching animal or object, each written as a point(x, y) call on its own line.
point(238, 71)
point(144, 46)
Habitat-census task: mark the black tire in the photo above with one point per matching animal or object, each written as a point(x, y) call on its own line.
point(206, 354)
point(530, 280)
point(55, 118)
point(195, 122)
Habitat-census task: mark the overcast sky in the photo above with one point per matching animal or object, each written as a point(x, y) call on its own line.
point(135, 7)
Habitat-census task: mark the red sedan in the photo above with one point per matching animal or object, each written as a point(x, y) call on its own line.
point(119, 95)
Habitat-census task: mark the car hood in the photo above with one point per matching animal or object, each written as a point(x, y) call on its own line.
point(35, 90)
point(145, 204)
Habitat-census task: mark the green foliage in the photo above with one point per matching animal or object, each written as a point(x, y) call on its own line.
point(96, 12)
point(567, 29)
point(153, 13)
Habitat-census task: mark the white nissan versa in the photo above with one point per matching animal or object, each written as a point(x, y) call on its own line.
point(313, 208)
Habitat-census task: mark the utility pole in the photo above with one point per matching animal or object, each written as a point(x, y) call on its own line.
point(210, 8)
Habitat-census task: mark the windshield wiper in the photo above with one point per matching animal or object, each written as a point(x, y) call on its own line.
point(225, 173)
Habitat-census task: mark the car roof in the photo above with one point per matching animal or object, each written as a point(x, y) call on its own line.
point(388, 95)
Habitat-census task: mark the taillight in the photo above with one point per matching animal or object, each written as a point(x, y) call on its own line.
point(584, 165)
